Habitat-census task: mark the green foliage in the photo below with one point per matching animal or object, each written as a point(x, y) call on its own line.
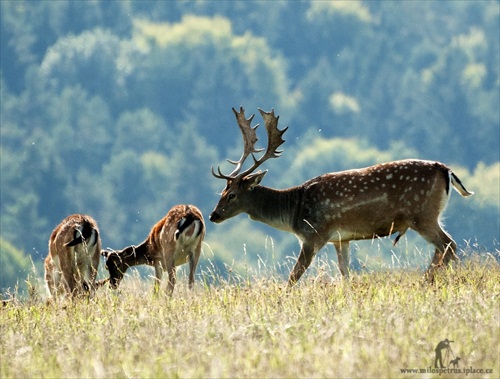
point(179, 66)
point(371, 326)
point(354, 9)
point(119, 109)
point(486, 181)
point(320, 155)
point(15, 267)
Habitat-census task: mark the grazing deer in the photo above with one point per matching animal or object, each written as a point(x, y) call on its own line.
point(173, 241)
point(341, 206)
point(73, 259)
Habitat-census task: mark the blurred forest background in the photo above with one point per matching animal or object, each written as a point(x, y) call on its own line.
point(118, 109)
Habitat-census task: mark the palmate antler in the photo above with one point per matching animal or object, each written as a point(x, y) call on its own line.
point(249, 138)
point(274, 140)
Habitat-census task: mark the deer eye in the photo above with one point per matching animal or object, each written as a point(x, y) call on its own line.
point(231, 196)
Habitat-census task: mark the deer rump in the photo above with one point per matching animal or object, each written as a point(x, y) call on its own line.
point(73, 259)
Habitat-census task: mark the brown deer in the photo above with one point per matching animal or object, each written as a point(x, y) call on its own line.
point(174, 240)
point(73, 259)
point(339, 207)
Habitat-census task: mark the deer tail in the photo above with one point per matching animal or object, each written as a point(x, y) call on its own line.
point(459, 187)
point(83, 233)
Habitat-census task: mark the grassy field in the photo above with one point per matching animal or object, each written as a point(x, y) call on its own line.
point(374, 325)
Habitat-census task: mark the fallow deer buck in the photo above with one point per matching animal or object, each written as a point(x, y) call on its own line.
point(73, 259)
point(173, 241)
point(339, 207)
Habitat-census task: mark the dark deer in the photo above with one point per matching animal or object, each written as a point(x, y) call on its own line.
point(339, 207)
point(73, 259)
point(174, 240)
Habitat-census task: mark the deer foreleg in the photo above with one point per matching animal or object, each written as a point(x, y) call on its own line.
point(304, 260)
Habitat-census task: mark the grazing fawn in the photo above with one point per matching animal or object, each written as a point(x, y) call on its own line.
point(174, 240)
point(342, 206)
point(73, 259)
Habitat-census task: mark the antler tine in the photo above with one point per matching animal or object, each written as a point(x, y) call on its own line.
point(274, 140)
point(220, 175)
point(274, 135)
point(249, 139)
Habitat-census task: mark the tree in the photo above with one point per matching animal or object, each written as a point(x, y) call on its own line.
point(15, 266)
point(177, 67)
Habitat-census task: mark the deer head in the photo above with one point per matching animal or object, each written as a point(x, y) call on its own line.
point(115, 265)
point(238, 184)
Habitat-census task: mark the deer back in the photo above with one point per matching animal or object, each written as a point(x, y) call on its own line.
point(374, 201)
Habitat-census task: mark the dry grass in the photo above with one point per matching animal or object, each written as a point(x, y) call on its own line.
point(372, 326)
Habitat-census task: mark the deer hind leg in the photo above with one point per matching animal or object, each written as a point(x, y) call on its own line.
point(50, 277)
point(343, 257)
point(93, 271)
point(172, 276)
point(444, 252)
point(68, 272)
point(54, 276)
point(88, 280)
point(69, 282)
point(193, 262)
point(158, 276)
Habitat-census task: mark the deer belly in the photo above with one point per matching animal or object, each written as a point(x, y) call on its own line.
point(360, 234)
point(367, 225)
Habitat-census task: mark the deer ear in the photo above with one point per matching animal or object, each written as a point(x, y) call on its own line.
point(253, 180)
point(105, 253)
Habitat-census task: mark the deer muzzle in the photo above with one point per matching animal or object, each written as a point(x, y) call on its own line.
point(215, 217)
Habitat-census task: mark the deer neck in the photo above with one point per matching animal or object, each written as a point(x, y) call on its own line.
point(276, 208)
point(136, 255)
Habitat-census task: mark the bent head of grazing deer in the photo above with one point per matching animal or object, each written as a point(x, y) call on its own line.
point(342, 206)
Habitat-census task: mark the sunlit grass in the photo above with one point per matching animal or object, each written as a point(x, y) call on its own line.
point(248, 325)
